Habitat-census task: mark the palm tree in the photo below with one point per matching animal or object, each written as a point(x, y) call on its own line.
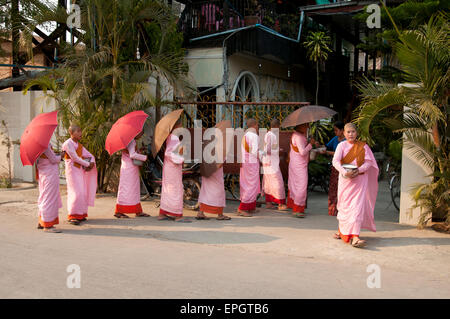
point(317, 46)
point(103, 77)
point(421, 109)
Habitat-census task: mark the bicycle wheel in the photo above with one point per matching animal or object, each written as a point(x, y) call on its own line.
point(231, 182)
point(394, 186)
point(191, 193)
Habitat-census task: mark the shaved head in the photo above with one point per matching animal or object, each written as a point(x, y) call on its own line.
point(252, 123)
point(74, 128)
point(350, 125)
point(275, 123)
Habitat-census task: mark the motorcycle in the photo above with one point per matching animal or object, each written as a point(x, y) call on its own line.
point(152, 180)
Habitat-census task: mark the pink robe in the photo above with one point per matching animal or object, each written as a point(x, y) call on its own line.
point(249, 172)
point(212, 193)
point(298, 172)
point(273, 184)
point(129, 193)
point(81, 184)
point(49, 201)
point(172, 180)
point(356, 196)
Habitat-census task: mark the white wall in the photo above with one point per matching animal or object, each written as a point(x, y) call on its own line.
point(412, 172)
point(271, 77)
point(18, 110)
point(206, 70)
point(205, 66)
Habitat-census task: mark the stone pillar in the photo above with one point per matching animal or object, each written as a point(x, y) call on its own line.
point(413, 172)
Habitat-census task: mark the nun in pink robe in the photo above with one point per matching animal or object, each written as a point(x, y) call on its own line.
point(129, 193)
point(212, 197)
point(172, 190)
point(356, 196)
point(49, 201)
point(81, 184)
point(273, 184)
point(298, 173)
point(249, 172)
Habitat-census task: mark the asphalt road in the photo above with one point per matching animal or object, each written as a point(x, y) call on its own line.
point(271, 255)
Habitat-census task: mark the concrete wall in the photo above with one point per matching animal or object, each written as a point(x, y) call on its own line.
point(412, 172)
point(18, 110)
point(205, 66)
point(206, 69)
point(271, 77)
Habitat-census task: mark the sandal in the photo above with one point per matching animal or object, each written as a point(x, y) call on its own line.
point(358, 243)
point(336, 236)
point(142, 215)
point(74, 222)
point(223, 217)
point(120, 215)
point(244, 214)
point(39, 226)
point(299, 215)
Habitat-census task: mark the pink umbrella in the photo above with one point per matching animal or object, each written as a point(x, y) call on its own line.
point(37, 135)
point(124, 131)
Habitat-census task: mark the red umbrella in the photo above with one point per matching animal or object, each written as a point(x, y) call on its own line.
point(37, 135)
point(124, 131)
point(35, 138)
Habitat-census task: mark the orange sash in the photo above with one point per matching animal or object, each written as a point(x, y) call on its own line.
point(246, 146)
point(357, 151)
point(295, 148)
point(79, 153)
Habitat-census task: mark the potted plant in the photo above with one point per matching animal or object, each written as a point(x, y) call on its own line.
point(250, 14)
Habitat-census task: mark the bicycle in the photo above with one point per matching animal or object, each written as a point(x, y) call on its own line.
point(394, 183)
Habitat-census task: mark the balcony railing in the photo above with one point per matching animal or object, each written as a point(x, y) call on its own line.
point(207, 17)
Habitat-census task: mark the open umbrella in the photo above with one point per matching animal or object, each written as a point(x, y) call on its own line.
point(307, 114)
point(37, 135)
point(163, 129)
point(124, 131)
point(207, 169)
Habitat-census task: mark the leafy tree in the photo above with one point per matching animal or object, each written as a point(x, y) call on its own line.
point(407, 16)
point(420, 111)
point(317, 45)
point(103, 77)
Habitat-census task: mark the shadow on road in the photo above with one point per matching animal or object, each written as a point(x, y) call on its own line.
point(199, 237)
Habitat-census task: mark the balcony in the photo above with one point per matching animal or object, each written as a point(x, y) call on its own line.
point(200, 18)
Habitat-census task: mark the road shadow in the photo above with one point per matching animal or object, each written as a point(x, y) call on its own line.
point(378, 242)
point(197, 237)
point(264, 219)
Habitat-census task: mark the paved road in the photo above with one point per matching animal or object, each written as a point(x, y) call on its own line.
point(271, 255)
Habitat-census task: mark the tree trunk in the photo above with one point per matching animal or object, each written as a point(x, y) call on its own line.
point(158, 100)
point(317, 88)
point(15, 35)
